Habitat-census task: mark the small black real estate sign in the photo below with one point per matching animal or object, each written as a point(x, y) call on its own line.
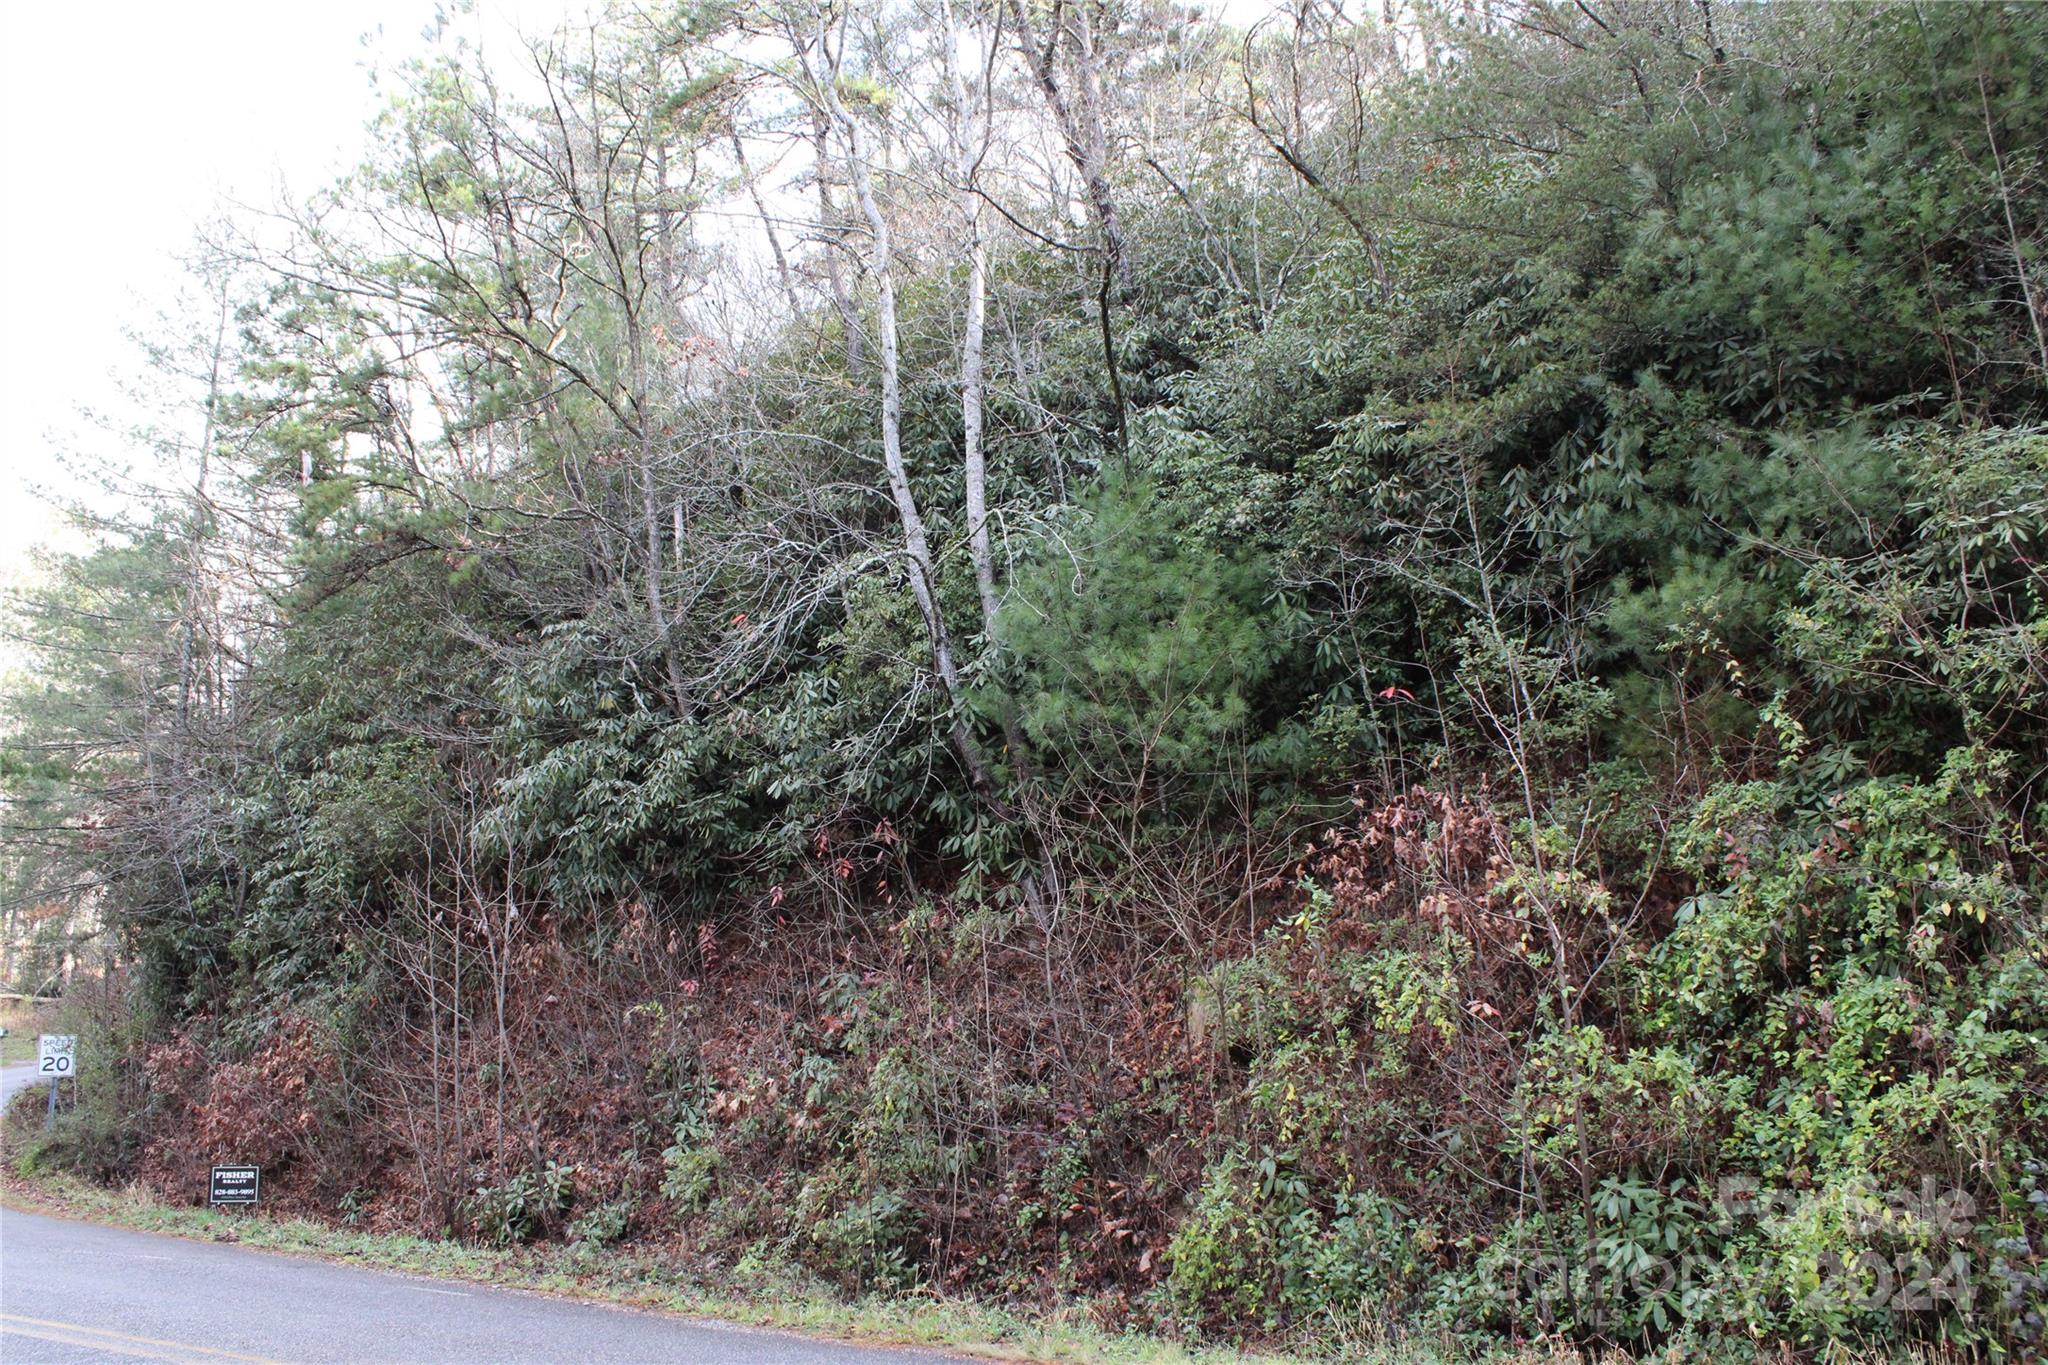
point(235, 1184)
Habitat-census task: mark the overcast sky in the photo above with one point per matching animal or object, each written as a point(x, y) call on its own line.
point(126, 123)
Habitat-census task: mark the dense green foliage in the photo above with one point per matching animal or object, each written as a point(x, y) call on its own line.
point(1487, 785)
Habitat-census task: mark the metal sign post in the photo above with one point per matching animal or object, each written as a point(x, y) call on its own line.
point(56, 1058)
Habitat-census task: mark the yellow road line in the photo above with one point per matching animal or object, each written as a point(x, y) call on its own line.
point(102, 1339)
point(14, 1329)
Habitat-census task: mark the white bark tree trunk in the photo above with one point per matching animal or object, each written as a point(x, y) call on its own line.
point(916, 540)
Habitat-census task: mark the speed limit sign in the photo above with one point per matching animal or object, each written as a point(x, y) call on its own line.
point(56, 1055)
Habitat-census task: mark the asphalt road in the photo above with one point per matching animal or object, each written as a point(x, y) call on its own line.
point(13, 1078)
point(76, 1292)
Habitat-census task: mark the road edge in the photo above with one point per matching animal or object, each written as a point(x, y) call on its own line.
point(941, 1326)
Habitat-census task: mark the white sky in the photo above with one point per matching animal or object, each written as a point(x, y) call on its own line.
point(126, 123)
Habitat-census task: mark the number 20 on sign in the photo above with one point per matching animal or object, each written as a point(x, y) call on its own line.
point(56, 1058)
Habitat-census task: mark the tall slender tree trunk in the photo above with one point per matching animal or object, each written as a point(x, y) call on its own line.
point(854, 340)
point(2021, 267)
point(651, 520)
point(916, 541)
point(782, 271)
point(1080, 121)
point(189, 664)
point(973, 340)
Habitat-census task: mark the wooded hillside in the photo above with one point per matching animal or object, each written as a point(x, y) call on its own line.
point(1364, 673)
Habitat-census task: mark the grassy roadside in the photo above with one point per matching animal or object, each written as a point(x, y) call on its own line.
point(23, 1020)
point(625, 1277)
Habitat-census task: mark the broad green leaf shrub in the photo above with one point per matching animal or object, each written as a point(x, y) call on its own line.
point(531, 1204)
